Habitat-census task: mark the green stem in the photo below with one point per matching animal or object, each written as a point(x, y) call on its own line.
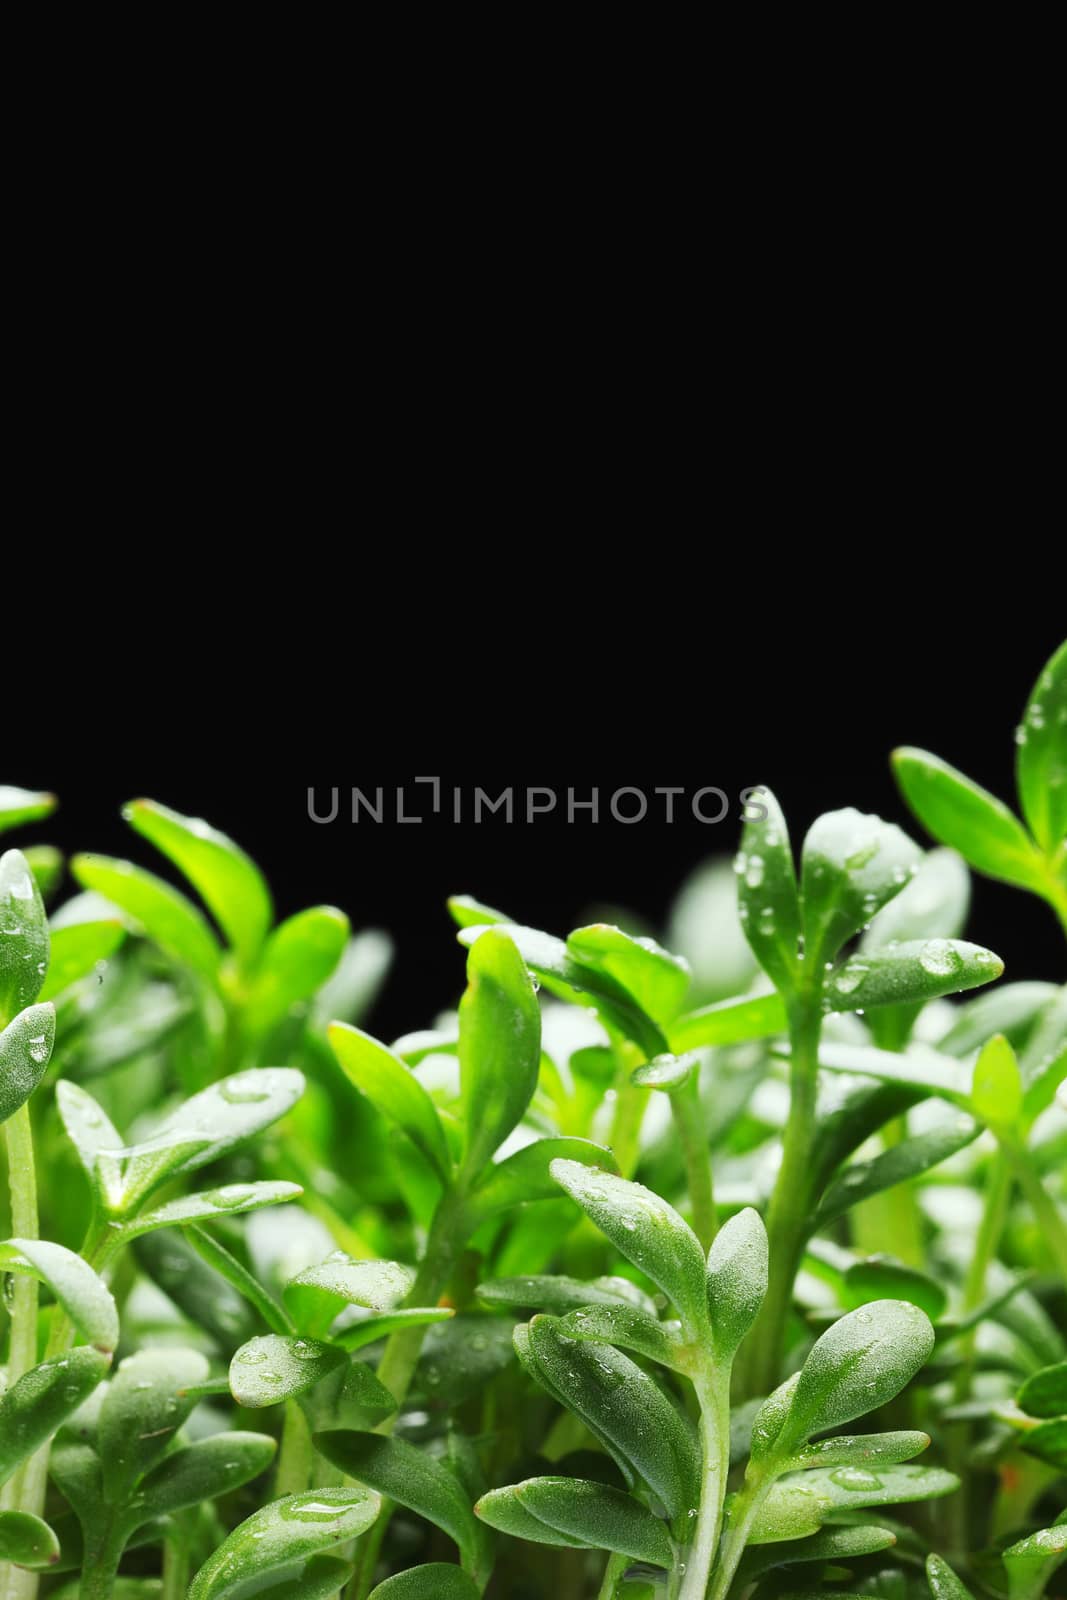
point(788, 1221)
point(612, 1573)
point(714, 1396)
point(631, 1102)
point(1049, 1216)
point(18, 1493)
point(175, 1569)
point(101, 1566)
point(691, 1127)
point(296, 1454)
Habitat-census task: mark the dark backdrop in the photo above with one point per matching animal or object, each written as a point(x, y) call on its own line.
point(810, 723)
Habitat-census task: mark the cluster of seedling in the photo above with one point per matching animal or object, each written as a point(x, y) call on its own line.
point(572, 1293)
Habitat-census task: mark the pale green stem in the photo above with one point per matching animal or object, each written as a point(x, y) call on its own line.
point(175, 1569)
point(612, 1573)
point(16, 1584)
point(691, 1127)
point(714, 1396)
point(789, 1217)
point(735, 1539)
point(1049, 1216)
point(296, 1453)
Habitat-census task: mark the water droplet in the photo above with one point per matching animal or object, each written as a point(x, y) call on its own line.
point(252, 1358)
point(854, 1478)
point(239, 1092)
point(754, 872)
point(939, 958)
point(850, 977)
point(303, 1350)
point(38, 1049)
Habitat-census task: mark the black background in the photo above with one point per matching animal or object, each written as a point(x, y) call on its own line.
point(815, 720)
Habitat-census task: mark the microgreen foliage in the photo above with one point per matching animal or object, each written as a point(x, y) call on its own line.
point(727, 1266)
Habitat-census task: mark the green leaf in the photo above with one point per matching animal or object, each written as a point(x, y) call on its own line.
point(161, 913)
point(860, 1450)
point(203, 1472)
point(392, 1088)
point(317, 1295)
point(626, 1407)
point(85, 1297)
point(624, 1326)
point(19, 806)
point(859, 1364)
point(23, 936)
point(1044, 1394)
point(503, 1510)
point(77, 949)
point(944, 1584)
point(1041, 755)
point(227, 880)
point(369, 1329)
point(141, 1412)
point(558, 1293)
point(276, 1551)
point(921, 1068)
point(527, 1174)
point(1048, 1442)
point(352, 1396)
point(199, 1131)
point(909, 974)
point(853, 865)
point(25, 1051)
point(42, 1399)
point(932, 905)
point(46, 864)
point(877, 1278)
point(437, 1581)
point(964, 816)
point(499, 1045)
point(87, 1126)
point(729, 1022)
point(273, 1368)
point(1043, 1062)
point(1033, 1561)
point(466, 912)
point(647, 1231)
point(602, 1518)
point(834, 1489)
point(1010, 1008)
point(996, 1088)
point(26, 1541)
point(657, 980)
point(413, 1479)
point(737, 1280)
point(229, 1201)
point(833, 1544)
point(767, 894)
point(898, 1164)
point(297, 959)
point(461, 1357)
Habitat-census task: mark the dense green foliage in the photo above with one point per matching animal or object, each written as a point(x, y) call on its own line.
point(728, 1268)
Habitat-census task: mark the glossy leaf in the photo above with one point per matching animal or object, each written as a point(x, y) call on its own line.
point(499, 1045)
point(967, 818)
point(729, 1022)
point(944, 1584)
point(227, 880)
point(273, 1368)
point(228, 1201)
point(143, 1409)
point(86, 1123)
point(1041, 755)
point(393, 1089)
point(26, 1541)
point(377, 1325)
point(859, 1364)
point(897, 1164)
point(623, 1326)
point(909, 974)
point(203, 1471)
point(1044, 1394)
point(1048, 1442)
point(853, 865)
point(460, 1357)
point(527, 1174)
point(77, 950)
point(439, 1580)
point(767, 894)
point(877, 1278)
point(832, 1544)
point(1043, 1061)
point(397, 1469)
point(860, 1450)
point(611, 1392)
point(737, 1280)
point(161, 913)
point(996, 1088)
point(23, 936)
point(558, 1293)
point(278, 1549)
point(20, 806)
point(84, 1296)
point(46, 863)
point(503, 1510)
point(933, 904)
point(657, 980)
point(317, 1295)
point(297, 959)
point(804, 1500)
point(1032, 1562)
point(25, 1050)
point(647, 1231)
point(922, 1069)
point(600, 1517)
point(42, 1399)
